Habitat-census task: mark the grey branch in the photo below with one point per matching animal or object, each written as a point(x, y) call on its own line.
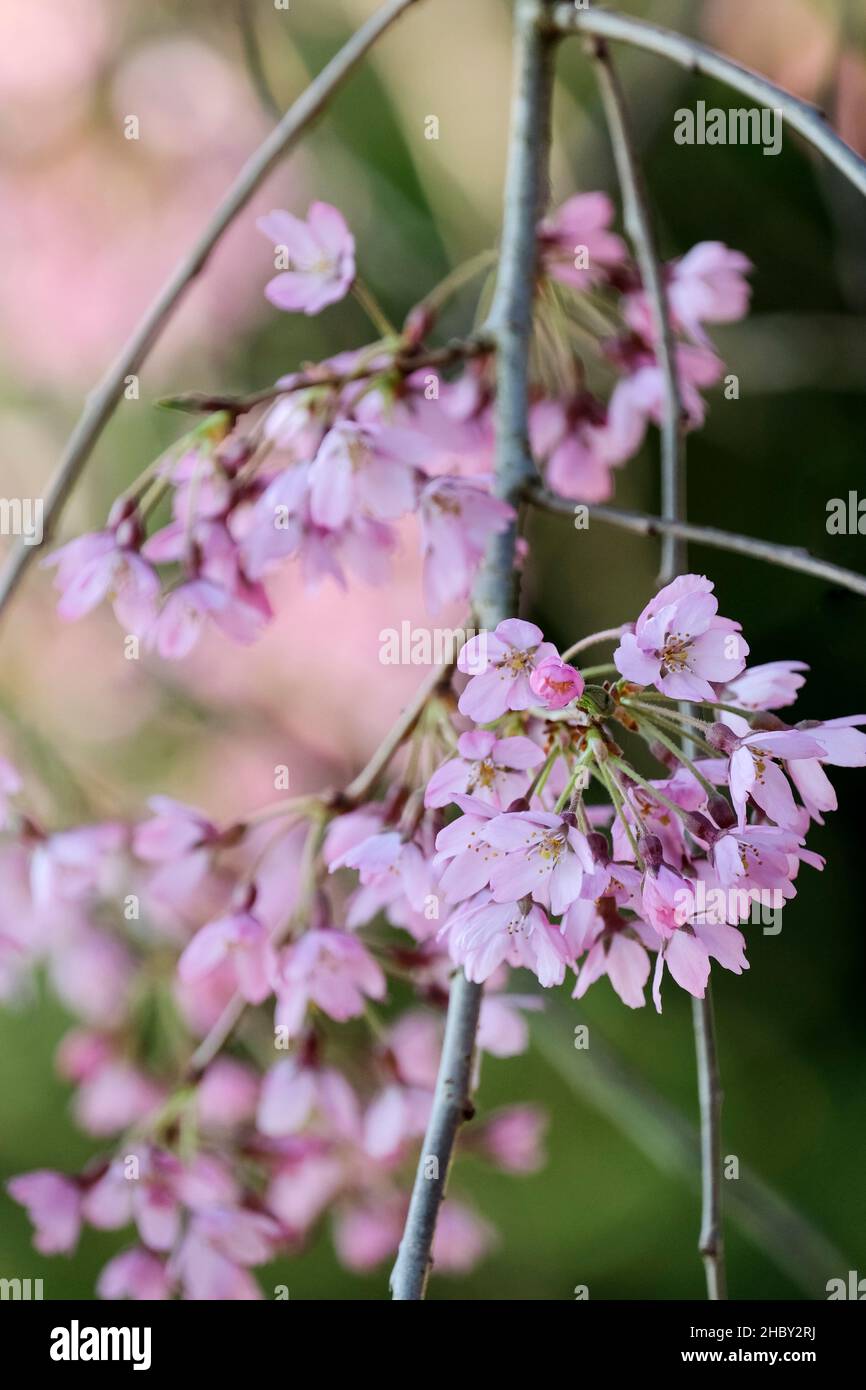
point(711, 1241)
point(658, 1129)
point(495, 596)
point(674, 561)
point(790, 557)
point(101, 403)
point(806, 119)
point(638, 224)
point(641, 523)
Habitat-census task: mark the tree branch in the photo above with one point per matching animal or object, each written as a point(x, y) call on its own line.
point(402, 362)
point(495, 596)
point(638, 224)
point(602, 1077)
point(790, 557)
point(674, 561)
point(102, 402)
point(697, 57)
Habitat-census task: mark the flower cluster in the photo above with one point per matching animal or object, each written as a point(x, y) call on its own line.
point(543, 841)
point(326, 468)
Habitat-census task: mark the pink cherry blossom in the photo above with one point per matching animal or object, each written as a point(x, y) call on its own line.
point(706, 285)
point(500, 664)
point(490, 768)
point(321, 252)
point(680, 645)
point(512, 1138)
point(543, 855)
point(457, 516)
point(53, 1204)
point(361, 470)
point(573, 443)
point(583, 221)
point(639, 397)
point(330, 969)
point(556, 683)
point(772, 685)
point(135, 1274)
point(481, 938)
point(98, 566)
point(243, 941)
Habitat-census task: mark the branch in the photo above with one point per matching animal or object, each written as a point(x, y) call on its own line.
point(697, 57)
point(711, 1241)
point(102, 402)
point(789, 557)
point(495, 596)
point(638, 224)
point(674, 561)
point(600, 1076)
point(403, 362)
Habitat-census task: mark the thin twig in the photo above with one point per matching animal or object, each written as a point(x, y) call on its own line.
point(402, 362)
point(711, 1241)
point(674, 560)
point(495, 596)
point(791, 557)
point(697, 57)
point(103, 400)
point(254, 62)
point(658, 1129)
point(638, 224)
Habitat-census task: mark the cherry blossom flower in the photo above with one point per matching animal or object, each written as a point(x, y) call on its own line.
point(321, 253)
point(706, 285)
point(53, 1204)
point(458, 516)
point(103, 565)
point(489, 768)
point(581, 223)
point(135, 1274)
point(772, 685)
point(680, 645)
point(500, 664)
point(543, 855)
point(484, 936)
point(330, 969)
point(239, 939)
point(556, 683)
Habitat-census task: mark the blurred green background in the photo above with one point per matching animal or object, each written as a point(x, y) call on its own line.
point(792, 1031)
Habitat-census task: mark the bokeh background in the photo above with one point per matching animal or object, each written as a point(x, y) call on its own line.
point(90, 223)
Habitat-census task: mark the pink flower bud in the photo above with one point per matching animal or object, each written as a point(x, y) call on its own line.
point(556, 683)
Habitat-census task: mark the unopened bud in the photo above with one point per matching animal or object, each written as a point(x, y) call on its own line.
point(721, 811)
point(721, 737)
point(700, 827)
point(520, 806)
point(651, 851)
point(598, 847)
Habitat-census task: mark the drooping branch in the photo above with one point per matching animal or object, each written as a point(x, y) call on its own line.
point(102, 401)
point(790, 557)
point(495, 595)
point(802, 116)
point(659, 1130)
point(638, 225)
point(673, 562)
point(400, 363)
